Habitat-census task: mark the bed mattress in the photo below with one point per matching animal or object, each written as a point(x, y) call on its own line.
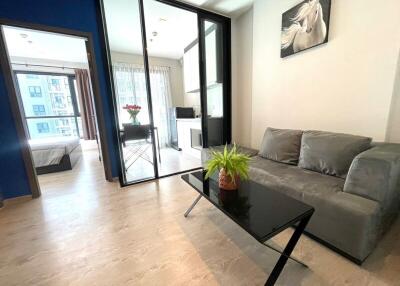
point(49, 151)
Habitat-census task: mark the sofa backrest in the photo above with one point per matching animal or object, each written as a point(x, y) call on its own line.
point(281, 145)
point(330, 153)
point(325, 152)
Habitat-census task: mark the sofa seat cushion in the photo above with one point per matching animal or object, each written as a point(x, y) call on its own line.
point(348, 222)
point(281, 145)
point(330, 153)
point(292, 179)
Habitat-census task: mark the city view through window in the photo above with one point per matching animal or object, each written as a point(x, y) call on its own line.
point(50, 104)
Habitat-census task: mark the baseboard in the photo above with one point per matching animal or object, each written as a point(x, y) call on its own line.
point(17, 200)
point(335, 249)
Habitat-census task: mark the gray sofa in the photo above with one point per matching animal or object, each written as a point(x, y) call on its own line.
point(353, 184)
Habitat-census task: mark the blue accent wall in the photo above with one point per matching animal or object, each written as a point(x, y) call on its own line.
point(78, 15)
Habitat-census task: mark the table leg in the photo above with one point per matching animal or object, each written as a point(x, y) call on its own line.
point(192, 206)
point(287, 251)
point(281, 252)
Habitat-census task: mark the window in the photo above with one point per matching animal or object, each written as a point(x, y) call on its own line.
point(54, 84)
point(39, 109)
point(50, 104)
point(31, 76)
point(35, 91)
point(43, 127)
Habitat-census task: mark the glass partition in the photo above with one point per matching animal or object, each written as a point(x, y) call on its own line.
point(171, 80)
point(214, 83)
point(172, 45)
point(131, 91)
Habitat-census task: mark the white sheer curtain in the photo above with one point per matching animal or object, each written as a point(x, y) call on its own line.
point(130, 87)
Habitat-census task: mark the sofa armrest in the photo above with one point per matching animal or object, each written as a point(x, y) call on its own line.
point(375, 174)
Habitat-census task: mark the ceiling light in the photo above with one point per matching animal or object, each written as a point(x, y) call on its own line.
point(155, 34)
point(30, 42)
point(162, 20)
point(24, 36)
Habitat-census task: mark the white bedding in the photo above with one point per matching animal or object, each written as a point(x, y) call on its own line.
point(49, 151)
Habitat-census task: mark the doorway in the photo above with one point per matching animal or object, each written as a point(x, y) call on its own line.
point(170, 69)
point(53, 91)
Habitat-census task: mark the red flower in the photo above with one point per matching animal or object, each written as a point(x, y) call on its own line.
point(132, 107)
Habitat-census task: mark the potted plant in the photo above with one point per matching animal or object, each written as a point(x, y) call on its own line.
point(133, 111)
point(232, 166)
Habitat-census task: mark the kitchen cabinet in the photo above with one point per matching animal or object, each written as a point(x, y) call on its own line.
point(213, 53)
point(191, 69)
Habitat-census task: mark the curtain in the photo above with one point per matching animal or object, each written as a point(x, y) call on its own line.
point(130, 86)
point(85, 98)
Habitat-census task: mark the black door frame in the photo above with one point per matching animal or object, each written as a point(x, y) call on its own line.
point(11, 86)
point(202, 15)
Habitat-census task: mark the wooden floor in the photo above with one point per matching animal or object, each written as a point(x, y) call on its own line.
point(85, 231)
point(172, 161)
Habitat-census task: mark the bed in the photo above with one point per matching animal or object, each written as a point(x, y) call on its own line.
point(55, 154)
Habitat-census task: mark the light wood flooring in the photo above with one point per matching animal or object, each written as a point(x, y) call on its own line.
point(86, 231)
point(172, 161)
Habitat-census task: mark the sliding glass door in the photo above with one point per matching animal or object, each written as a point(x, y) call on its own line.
point(215, 80)
point(136, 131)
point(173, 54)
point(170, 69)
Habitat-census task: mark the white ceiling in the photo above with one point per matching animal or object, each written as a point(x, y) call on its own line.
point(174, 28)
point(25, 43)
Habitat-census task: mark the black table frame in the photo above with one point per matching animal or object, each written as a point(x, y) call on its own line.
point(301, 222)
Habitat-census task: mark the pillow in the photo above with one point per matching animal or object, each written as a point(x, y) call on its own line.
point(330, 153)
point(282, 145)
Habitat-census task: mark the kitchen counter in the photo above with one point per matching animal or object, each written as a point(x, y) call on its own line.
point(189, 119)
point(185, 127)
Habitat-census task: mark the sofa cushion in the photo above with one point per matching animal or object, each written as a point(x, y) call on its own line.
point(348, 222)
point(330, 153)
point(281, 145)
point(292, 179)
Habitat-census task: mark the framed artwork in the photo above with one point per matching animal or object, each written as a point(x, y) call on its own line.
point(304, 26)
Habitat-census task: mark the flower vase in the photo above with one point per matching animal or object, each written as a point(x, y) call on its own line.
point(135, 121)
point(225, 181)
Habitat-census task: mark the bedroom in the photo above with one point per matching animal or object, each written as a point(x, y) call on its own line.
point(56, 102)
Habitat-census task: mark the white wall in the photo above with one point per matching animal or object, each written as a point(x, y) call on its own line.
point(393, 131)
point(343, 86)
point(242, 68)
point(176, 72)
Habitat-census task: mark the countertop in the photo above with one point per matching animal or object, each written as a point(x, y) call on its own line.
point(188, 119)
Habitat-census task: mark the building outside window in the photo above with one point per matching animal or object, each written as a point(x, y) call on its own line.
point(43, 127)
point(39, 109)
point(54, 84)
point(35, 91)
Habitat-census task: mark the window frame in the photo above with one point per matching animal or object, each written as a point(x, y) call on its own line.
point(74, 99)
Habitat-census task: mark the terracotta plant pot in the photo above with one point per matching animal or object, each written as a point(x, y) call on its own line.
point(225, 181)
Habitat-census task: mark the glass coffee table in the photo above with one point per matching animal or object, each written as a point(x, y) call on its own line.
point(257, 209)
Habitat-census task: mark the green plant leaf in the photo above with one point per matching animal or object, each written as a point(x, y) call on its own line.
point(234, 163)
